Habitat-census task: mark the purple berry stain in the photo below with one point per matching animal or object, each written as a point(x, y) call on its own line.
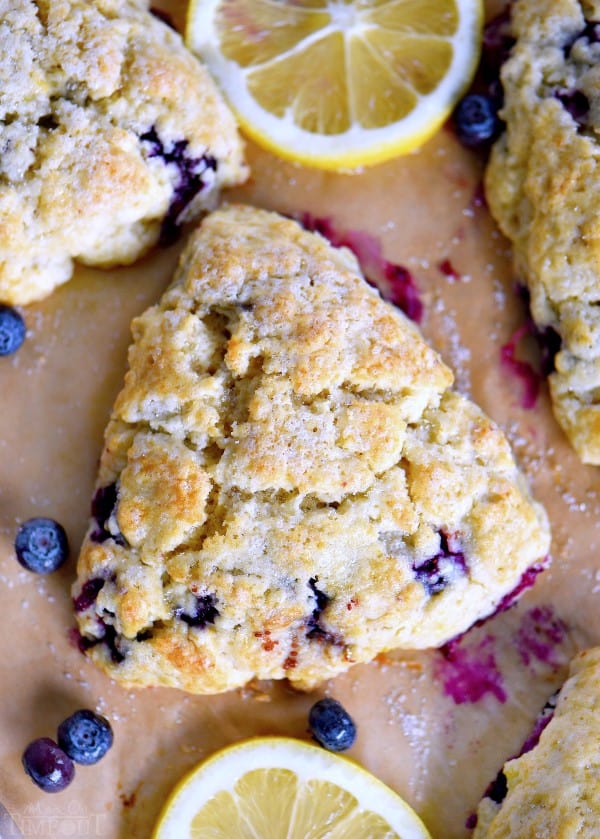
point(468, 673)
point(530, 378)
point(396, 284)
point(531, 373)
point(190, 178)
point(526, 581)
point(544, 718)
point(497, 43)
point(540, 637)
point(446, 268)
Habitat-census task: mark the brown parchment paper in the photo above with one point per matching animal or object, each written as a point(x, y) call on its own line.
point(435, 730)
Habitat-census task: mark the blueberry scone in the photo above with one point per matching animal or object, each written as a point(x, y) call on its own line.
point(543, 187)
point(289, 485)
point(552, 790)
point(111, 135)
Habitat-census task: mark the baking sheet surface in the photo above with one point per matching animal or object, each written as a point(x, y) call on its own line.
point(435, 729)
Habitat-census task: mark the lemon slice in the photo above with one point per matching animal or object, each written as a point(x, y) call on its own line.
point(338, 84)
point(279, 788)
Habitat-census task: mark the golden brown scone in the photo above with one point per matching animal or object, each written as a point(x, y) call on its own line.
point(111, 135)
point(543, 188)
point(289, 485)
point(552, 791)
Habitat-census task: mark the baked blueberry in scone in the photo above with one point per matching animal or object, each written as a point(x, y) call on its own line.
point(111, 135)
point(553, 788)
point(289, 484)
point(543, 187)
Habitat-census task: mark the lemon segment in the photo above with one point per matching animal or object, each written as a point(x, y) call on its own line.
point(280, 788)
point(338, 84)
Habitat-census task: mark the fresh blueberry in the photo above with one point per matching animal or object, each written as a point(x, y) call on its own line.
point(476, 120)
point(12, 330)
point(332, 725)
point(41, 545)
point(47, 765)
point(85, 736)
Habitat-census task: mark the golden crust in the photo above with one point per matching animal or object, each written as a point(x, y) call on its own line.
point(288, 461)
point(542, 185)
point(110, 131)
point(554, 789)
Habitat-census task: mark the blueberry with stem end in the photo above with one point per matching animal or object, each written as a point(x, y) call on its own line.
point(41, 545)
point(332, 725)
point(85, 736)
point(47, 765)
point(476, 120)
point(12, 330)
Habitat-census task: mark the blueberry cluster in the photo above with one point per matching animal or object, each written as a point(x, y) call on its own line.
point(83, 738)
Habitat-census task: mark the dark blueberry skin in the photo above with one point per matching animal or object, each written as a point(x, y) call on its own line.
point(476, 120)
point(332, 725)
point(576, 103)
point(12, 330)
point(321, 601)
point(88, 594)
point(189, 184)
point(41, 545)
point(205, 611)
point(104, 504)
point(109, 638)
point(47, 765)
point(85, 736)
point(433, 573)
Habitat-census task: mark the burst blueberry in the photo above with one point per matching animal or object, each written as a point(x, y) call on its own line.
point(41, 545)
point(476, 120)
point(48, 765)
point(331, 725)
point(85, 736)
point(204, 611)
point(12, 330)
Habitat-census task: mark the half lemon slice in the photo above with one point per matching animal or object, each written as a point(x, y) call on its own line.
point(280, 788)
point(338, 84)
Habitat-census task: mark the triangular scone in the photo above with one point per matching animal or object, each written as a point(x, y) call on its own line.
point(112, 135)
point(289, 485)
point(553, 789)
point(543, 188)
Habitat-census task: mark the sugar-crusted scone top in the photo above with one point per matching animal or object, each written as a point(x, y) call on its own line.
point(111, 135)
point(543, 187)
point(554, 790)
point(289, 485)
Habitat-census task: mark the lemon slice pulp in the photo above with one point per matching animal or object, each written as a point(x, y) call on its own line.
point(338, 83)
point(280, 788)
